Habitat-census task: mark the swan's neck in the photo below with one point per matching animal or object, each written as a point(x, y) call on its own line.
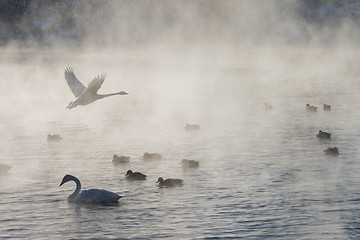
point(77, 190)
point(100, 96)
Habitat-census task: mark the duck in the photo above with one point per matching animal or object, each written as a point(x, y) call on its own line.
point(4, 168)
point(310, 108)
point(323, 135)
point(120, 159)
point(91, 196)
point(326, 107)
point(189, 163)
point(54, 137)
point(134, 176)
point(267, 106)
point(170, 182)
point(152, 156)
point(331, 151)
point(192, 127)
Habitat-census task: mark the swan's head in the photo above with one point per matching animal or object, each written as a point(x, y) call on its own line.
point(160, 180)
point(307, 105)
point(123, 93)
point(129, 172)
point(66, 178)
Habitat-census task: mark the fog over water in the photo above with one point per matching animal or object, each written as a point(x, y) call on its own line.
point(262, 173)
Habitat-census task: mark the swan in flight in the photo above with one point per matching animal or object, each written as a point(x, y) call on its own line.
point(85, 95)
point(92, 196)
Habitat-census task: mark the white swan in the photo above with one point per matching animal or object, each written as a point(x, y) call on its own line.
point(85, 95)
point(92, 196)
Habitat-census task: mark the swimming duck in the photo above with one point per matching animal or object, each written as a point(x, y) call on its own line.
point(4, 168)
point(192, 127)
point(54, 137)
point(92, 196)
point(326, 107)
point(170, 182)
point(267, 106)
point(120, 159)
point(133, 176)
point(310, 108)
point(331, 151)
point(189, 163)
point(151, 156)
point(323, 135)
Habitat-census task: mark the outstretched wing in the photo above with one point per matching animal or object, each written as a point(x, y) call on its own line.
point(94, 85)
point(74, 84)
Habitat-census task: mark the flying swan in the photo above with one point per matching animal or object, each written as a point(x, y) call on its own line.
point(92, 196)
point(85, 95)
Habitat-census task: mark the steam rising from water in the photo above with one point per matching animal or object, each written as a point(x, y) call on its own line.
point(214, 63)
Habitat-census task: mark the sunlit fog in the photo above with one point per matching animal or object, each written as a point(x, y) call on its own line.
point(207, 107)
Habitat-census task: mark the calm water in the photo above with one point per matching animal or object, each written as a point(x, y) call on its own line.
point(262, 173)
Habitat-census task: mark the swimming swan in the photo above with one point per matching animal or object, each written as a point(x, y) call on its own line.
point(92, 196)
point(85, 95)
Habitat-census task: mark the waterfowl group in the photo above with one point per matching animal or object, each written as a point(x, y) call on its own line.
point(120, 159)
point(92, 196)
point(170, 182)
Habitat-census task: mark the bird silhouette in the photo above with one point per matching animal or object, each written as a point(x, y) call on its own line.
point(85, 95)
point(92, 196)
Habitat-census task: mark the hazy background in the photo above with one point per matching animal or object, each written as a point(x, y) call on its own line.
point(215, 63)
point(136, 23)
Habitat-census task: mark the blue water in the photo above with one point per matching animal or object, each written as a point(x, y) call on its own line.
point(262, 174)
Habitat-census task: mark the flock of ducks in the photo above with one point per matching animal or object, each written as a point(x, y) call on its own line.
point(321, 135)
point(330, 151)
point(99, 196)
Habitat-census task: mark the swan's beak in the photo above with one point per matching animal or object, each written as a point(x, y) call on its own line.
point(62, 182)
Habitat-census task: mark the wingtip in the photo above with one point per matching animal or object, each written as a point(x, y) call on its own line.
point(69, 69)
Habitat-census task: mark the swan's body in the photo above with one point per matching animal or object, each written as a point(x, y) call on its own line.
point(133, 176)
point(170, 182)
point(92, 196)
point(152, 156)
point(120, 159)
point(189, 163)
point(323, 135)
point(85, 95)
point(310, 108)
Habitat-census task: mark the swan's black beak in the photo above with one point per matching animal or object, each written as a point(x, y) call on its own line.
point(62, 182)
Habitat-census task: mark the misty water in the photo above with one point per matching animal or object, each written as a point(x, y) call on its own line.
point(262, 173)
